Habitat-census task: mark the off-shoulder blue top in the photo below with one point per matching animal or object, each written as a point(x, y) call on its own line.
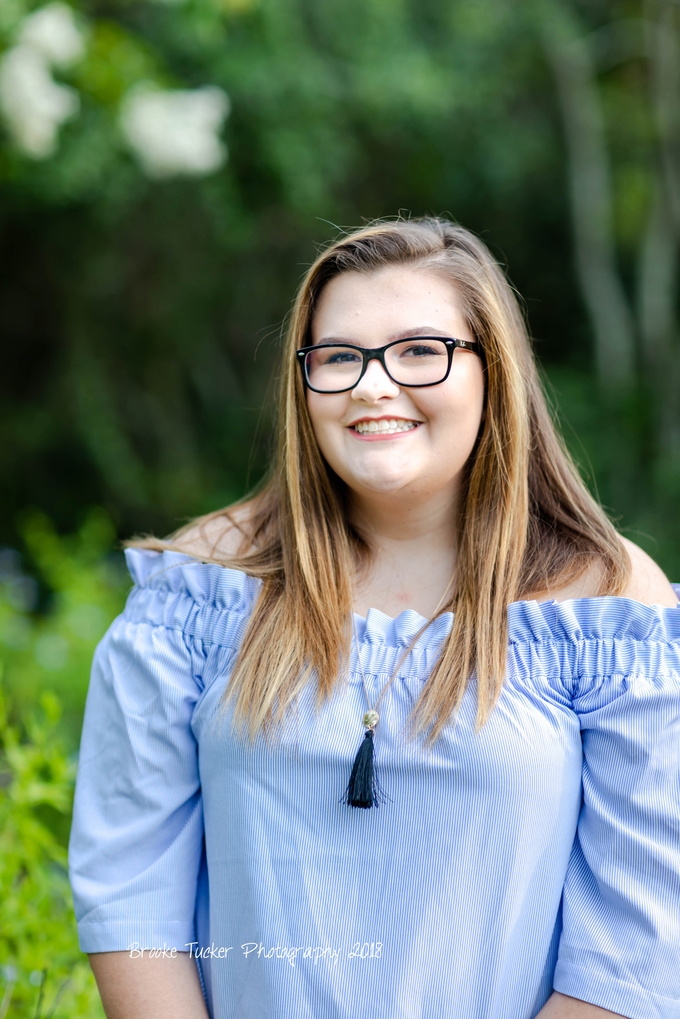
point(540, 852)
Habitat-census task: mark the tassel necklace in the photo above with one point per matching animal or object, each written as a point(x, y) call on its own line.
point(363, 789)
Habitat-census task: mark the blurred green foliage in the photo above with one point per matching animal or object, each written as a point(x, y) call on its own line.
point(49, 628)
point(45, 659)
point(612, 441)
point(43, 972)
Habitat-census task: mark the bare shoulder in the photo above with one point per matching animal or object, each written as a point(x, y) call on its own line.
point(218, 536)
point(648, 583)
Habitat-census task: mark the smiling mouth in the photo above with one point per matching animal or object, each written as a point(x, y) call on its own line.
point(385, 426)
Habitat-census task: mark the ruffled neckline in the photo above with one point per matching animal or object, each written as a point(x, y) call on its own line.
point(599, 618)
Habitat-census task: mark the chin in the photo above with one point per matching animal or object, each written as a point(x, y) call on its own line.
point(379, 484)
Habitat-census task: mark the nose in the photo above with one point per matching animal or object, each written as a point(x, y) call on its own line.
point(375, 384)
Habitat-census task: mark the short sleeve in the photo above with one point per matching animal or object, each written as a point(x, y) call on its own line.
point(620, 943)
point(136, 841)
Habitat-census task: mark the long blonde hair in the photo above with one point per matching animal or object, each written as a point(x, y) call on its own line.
point(526, 521)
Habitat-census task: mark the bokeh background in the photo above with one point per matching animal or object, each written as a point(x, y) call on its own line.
point(168, 169)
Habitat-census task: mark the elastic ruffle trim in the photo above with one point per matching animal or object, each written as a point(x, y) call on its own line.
point(575, 639)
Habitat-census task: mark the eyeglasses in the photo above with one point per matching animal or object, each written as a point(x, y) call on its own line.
point(420, 361)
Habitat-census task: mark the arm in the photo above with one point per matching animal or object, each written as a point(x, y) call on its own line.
point(620, 942)
point(649, 585)
point(147, 988)
point(560, 1006)
point(137, 834)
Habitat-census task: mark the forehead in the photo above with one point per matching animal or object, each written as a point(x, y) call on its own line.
point(384, 304)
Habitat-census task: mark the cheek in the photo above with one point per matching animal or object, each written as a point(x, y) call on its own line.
point(325, 411)
point(456, 414)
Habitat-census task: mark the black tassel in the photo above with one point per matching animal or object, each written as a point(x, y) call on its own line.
point(363, 789)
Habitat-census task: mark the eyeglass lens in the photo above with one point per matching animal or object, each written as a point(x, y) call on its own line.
point(410, 363)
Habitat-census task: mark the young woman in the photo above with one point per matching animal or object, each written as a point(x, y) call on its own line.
point(422, 611)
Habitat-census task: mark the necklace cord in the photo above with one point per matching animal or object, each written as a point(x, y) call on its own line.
point(414, 640)
point(363, 789)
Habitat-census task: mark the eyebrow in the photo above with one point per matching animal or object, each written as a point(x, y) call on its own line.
point(404, 334)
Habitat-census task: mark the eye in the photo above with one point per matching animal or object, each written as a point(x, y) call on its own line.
point(342, 357)
point(420, 350)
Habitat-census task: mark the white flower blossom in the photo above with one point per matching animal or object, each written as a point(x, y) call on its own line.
point(175, 132)
point(34, 105)
point(52, 31)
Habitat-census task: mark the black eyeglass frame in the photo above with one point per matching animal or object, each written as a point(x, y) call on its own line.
point(378, 354)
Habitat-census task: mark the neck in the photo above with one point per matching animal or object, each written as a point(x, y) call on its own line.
point(401, 520)
point(412, 545)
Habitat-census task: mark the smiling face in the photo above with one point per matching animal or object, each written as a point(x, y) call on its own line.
point(382, 439)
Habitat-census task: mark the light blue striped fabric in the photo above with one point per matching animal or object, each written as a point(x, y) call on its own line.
point(541, 852)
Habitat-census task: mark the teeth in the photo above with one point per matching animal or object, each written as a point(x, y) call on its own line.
point(384, 425)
